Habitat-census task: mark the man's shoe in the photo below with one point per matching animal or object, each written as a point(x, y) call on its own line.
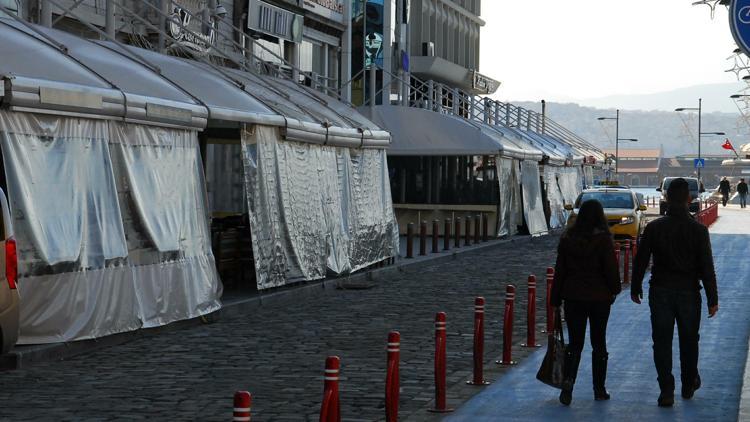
point(666, 399)
point(566, 396)
point(689, 390)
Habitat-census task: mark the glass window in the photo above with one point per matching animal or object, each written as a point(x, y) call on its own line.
point(623, 199)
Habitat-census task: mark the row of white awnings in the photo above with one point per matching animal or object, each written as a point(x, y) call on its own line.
point(420, 132)
point(47, 70)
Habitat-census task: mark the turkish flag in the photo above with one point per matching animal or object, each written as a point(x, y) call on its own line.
point(728, 145)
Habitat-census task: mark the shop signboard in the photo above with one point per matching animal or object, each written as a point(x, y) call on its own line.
point(276, 21)
point(330, 9)
point(485, 84)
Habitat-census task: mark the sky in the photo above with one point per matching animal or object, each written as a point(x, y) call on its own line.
point(581, 49)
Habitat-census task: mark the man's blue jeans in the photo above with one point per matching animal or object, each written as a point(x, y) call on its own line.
point(743, 200)
point(667, 307)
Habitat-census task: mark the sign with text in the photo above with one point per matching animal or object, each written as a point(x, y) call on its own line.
point(739, 21)
point(331, 9)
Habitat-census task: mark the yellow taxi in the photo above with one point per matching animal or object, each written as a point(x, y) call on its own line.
point(622, 206)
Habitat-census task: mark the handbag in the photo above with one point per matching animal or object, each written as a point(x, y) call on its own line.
point(552, 370)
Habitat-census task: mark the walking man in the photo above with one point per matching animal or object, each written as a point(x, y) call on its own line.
point(742, 191)
point(724, 188)
point(681, 249)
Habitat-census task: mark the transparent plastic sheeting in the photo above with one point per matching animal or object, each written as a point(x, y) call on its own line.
point(315, 209)
point(533, 208)
point(588, 176)
point(225, 181)
point(554, 196)
point(569, 179)
point(509, 215)
point(98, 269)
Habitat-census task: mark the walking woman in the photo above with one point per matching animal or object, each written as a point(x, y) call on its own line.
point(586, 282)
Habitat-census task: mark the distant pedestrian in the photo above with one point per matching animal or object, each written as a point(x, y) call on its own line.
point(587, 281)
point(681, 248)
point(724, 188)
point(742, 191)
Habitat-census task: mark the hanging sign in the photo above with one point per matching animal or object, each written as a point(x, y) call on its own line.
point(739, 22)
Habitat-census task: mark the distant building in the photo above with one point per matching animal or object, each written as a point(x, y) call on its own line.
point(639, 167)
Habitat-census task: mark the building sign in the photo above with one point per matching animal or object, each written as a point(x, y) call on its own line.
point(186, 29)
point(483, 83)
point(330, 9)
point(269, 19)
point(739, 21)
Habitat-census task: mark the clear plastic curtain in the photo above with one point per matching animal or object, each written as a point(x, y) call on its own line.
point(554, 196)
point(532, 198)
point(315, 208)
point(570, 184)
point(509, 215)
point(588, 176)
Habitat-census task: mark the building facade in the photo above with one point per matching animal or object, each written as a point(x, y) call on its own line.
point(639, 167)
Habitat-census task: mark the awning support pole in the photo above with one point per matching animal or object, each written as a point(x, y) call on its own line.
point(46, 11)
point(373, 81)
point(109, 18)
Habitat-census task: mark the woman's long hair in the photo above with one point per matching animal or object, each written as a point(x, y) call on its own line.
point(590, 219)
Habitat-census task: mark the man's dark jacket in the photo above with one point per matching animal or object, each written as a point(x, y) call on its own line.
point(742, 188)
point(586, 269)
point(682, 255)
point(724, 186)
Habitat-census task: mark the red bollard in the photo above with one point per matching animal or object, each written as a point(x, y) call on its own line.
point(392, 386)
point(467, 232)
point(423, 238)
point(531, 315)
point(242, 403)
point(457, 232)
point(441, 403)
point(447, 235)
point(477, 231)
point(435, 236)
point(330, 410)
point(550, 312)
point(410, 241)
point(478, 343)
point(626, 269)
point(510, 299)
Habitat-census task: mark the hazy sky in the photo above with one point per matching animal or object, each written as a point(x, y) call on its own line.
point(578, 49)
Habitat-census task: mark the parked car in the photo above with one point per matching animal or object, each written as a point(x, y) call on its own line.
point(8, 273)
point(696, 189)
point(623, 208)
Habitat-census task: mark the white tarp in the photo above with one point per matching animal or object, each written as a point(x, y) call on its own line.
point(119, 281)
point(554, 196)
point(532, 198)
point(510, 212)
point(588, 176)
point(315, 208)
point(569, 179)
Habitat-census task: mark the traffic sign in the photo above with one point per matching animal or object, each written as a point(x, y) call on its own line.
point(699, 163)
point(739, 21)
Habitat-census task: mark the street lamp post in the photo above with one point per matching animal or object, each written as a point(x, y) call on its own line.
point(700, 132)
point(617, 138)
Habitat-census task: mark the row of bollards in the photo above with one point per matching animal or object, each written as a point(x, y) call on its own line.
point(625, 253)
point(479, 234)
point(330, 409)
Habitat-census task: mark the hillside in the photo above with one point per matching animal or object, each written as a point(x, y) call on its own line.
point(653, 129)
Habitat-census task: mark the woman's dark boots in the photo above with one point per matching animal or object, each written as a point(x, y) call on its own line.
point(572, 360)
point(599, 371)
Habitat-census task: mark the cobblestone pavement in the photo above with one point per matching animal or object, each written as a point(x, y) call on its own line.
point(277, 351)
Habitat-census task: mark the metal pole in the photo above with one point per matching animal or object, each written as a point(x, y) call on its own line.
point(430, 94)
point(109, 21)
point(700, 109)
point(46, 18)
point(617, 144)
point(544, 116)
point(164, 4)
point(373, 81)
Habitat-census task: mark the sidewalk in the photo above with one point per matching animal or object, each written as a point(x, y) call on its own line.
point(632, 377)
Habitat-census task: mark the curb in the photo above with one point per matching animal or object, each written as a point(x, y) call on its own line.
point(22, 357)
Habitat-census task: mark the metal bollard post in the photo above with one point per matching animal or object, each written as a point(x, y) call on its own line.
point(467, 231)
point(550, 312)
point(410, 240)
point(242, 404)
point(441, 403)
point(423, 238)
point(478, 343)
point(531, 314)
point(478, 220)
point(330, 410)
point(457, 232)
point(447, 235)
point(485, 229)
point(435, 236)
point(510, 298)
point(392, 384)
point(626, 269)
